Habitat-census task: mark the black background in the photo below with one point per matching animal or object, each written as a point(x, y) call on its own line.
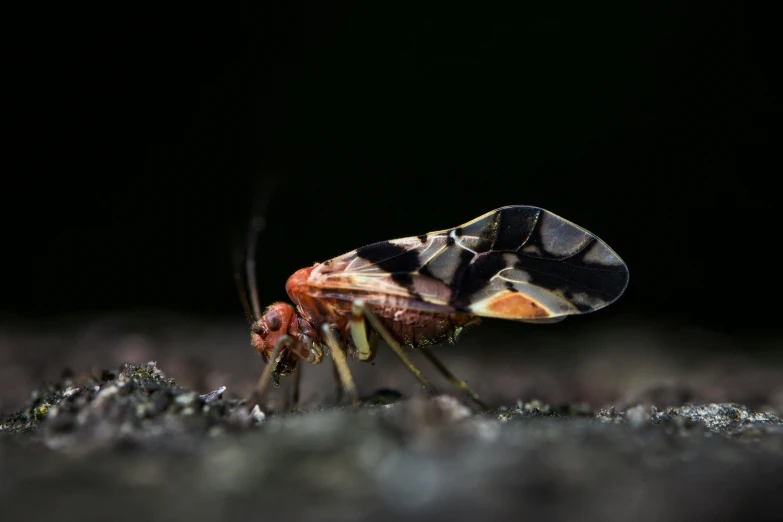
point(137, 136)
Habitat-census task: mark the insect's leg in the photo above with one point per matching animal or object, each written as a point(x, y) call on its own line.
point(359, 334)
point(359, 309)
point(297, 385)
point(338, 356)
point(338, 381)
point(263, 381)
point(312, 356)
point(457, 383)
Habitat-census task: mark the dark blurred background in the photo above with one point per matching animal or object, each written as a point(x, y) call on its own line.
point(135, 138)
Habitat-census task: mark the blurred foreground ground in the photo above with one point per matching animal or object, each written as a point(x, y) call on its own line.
point(600, 421)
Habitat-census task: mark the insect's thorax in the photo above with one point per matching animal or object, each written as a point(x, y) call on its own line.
point(409, 325)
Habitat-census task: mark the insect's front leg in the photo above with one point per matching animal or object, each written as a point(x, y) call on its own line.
point(359, 311)
point(263, 381)
point(297, 387)
point(309, 352)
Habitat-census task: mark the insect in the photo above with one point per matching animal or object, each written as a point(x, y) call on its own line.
point(519, 263)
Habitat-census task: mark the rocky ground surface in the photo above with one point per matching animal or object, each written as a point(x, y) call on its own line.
point(592, 422)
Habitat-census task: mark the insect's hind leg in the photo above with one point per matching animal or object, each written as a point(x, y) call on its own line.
point(359, 311)
point(457, 383)
point(338, 356)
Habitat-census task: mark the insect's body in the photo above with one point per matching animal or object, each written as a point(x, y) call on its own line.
point(407, 321)
point(519, 263)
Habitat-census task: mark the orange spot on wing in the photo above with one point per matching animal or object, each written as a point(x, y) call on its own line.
point(514, 304)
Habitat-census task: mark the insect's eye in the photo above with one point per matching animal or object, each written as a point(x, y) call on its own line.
point(257, 328)
point(273, 320)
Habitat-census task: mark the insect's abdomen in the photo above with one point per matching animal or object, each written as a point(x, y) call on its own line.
point(416, 328)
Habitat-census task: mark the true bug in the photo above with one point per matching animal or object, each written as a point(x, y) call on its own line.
point(517, 262)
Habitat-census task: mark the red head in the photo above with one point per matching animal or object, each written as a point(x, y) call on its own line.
point(278, 320)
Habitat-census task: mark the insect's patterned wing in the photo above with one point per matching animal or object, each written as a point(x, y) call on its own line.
point(516, 262)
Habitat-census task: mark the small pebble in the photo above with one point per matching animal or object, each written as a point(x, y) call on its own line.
point(257, 415)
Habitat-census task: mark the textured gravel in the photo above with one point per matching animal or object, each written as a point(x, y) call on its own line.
point(604, 423)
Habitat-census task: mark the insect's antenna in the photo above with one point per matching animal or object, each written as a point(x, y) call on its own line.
point(257, 223)
point(237, 262)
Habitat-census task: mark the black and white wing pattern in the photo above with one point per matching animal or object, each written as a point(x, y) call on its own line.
point(516, 262)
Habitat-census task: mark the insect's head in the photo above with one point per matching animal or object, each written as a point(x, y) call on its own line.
point(277, 321)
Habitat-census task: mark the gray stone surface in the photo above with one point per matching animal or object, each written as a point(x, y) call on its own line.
point(594, 424)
